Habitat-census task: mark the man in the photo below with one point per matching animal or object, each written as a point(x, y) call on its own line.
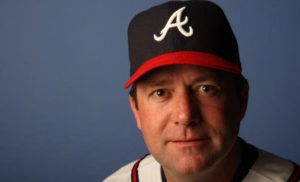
point(188, 97)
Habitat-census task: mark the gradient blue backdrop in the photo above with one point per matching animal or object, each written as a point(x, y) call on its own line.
point(64, 115)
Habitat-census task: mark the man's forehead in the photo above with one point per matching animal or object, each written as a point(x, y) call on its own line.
point(168, 73)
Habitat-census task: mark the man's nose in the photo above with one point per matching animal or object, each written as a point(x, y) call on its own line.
point(186, 109)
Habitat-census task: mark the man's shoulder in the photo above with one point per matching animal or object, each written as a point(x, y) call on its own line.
point(148, 169)
point(271, 167)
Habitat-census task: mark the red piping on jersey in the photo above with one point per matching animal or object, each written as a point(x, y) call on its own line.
point(295, 177)
point(134, 170)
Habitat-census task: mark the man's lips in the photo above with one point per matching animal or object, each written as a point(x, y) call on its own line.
point(189, 142)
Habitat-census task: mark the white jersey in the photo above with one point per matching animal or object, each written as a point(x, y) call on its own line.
point(256, 166)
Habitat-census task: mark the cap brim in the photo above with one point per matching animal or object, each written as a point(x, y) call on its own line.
point(184, 57)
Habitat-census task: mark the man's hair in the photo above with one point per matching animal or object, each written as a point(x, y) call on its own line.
point(133, 94)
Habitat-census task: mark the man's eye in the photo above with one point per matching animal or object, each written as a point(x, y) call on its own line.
point(207, 90)
point(204, 88)
point(159, 93)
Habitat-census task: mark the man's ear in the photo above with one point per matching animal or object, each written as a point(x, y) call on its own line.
point(135, 111)
point(244, 95)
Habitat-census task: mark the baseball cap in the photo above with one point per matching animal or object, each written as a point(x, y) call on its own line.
point(181, 32)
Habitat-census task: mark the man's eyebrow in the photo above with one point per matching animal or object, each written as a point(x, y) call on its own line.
point(158, 82)
point(206, 76)
point(203, 77)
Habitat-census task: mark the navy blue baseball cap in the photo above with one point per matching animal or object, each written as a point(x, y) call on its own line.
point(181, 32)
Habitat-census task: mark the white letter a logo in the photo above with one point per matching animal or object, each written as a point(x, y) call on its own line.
point(177, 14)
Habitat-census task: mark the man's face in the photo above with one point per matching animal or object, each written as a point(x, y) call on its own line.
point(189, 116)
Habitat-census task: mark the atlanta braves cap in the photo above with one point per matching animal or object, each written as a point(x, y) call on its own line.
point(181, 32)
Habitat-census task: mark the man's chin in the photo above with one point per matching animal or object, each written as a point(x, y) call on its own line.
point(188, 165)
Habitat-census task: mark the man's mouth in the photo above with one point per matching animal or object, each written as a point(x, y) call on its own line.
point(190, 142)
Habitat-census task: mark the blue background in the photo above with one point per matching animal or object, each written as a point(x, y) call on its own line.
point(64, 115)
